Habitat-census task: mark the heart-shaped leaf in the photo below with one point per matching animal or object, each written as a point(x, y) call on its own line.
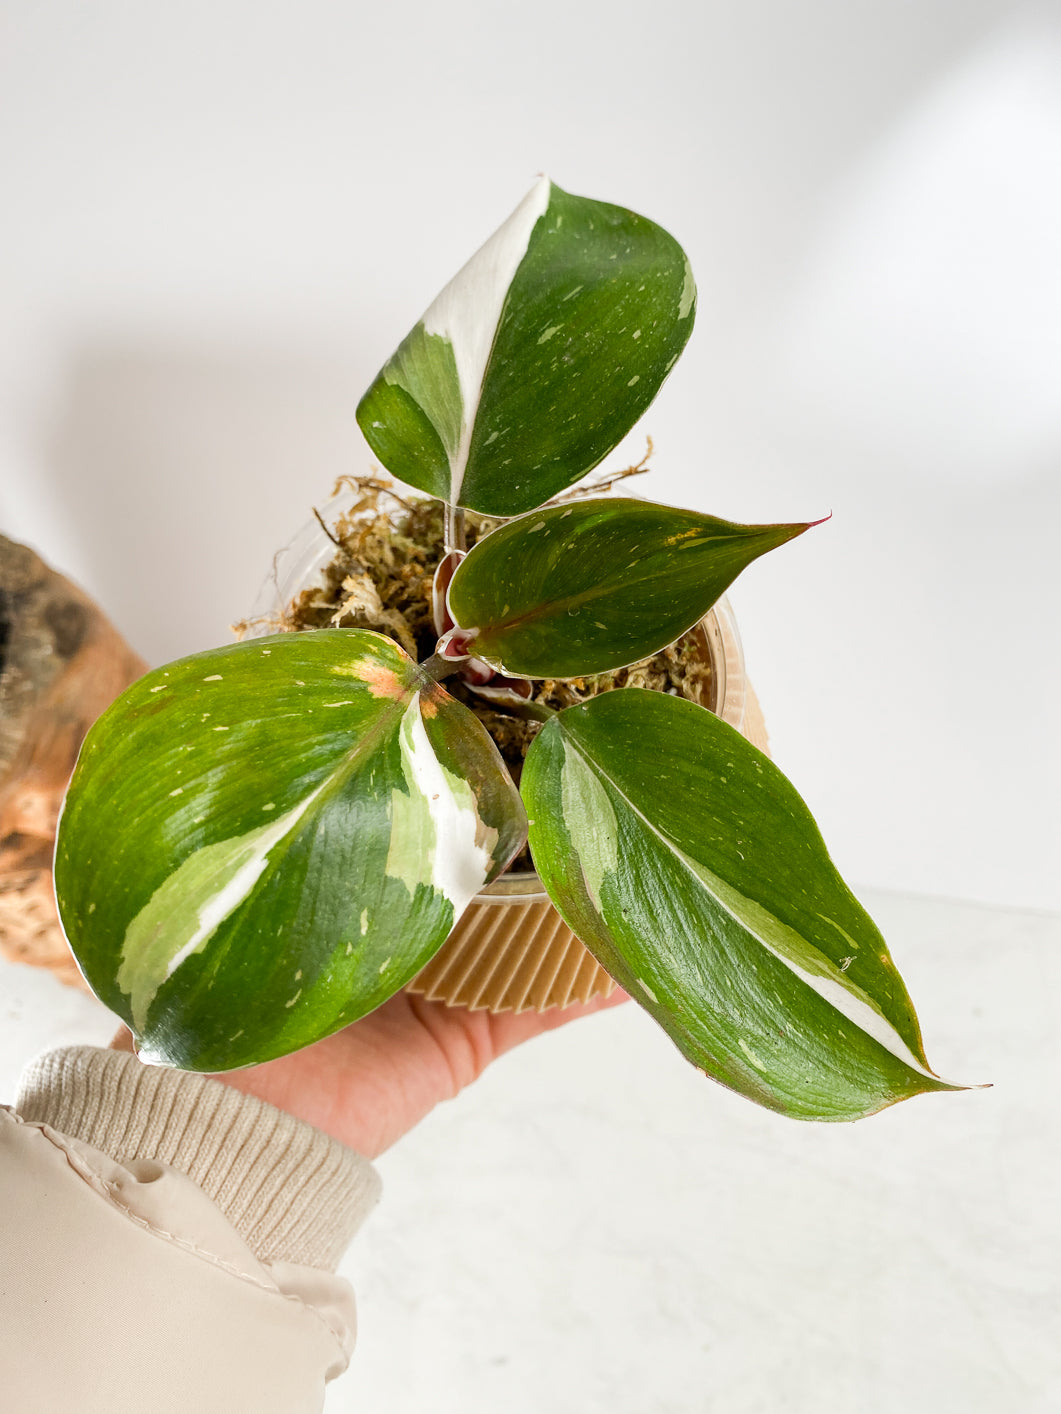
point(692, 870)
point(263, 843)
point(581, 589)
point(537, 358)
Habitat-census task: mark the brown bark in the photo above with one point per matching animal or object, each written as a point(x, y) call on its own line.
point(61, 664)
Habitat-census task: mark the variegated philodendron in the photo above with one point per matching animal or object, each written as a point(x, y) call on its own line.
point(264, 842)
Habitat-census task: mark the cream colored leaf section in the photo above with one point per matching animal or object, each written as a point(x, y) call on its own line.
point(437, 835)
point(819, 972)
point(587, 809)
point(688, 295)
point(468, 310)
point(185, 911)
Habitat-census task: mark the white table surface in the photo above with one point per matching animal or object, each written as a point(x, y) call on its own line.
point(594, 1227)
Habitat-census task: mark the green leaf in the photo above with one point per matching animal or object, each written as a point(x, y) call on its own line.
point(692, 870)
point(262, 843)
point(581, 589)
point(537, 358)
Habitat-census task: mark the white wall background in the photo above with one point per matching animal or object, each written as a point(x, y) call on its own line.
point(219, 218)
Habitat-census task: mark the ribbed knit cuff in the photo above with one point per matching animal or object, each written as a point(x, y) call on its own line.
point(291, 1192)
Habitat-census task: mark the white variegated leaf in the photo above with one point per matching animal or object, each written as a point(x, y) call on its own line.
point(537, 358)
point(689, 866)
point(262, 843)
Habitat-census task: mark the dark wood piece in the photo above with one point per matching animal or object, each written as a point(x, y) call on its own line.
point(61, 664)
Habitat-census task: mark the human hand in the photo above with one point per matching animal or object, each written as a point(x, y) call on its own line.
point(370, 1083)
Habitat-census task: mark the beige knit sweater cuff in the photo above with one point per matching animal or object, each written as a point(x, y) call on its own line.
point(291, 1192)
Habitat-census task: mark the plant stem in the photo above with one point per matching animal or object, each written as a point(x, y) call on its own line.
point(535, 710)
point(436, 667)
point(453, 527)
point(328, 533)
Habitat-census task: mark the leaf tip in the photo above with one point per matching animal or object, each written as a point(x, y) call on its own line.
point(794, 529)
point(955, 1086)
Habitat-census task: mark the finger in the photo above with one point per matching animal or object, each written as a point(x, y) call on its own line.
point(511, 1029)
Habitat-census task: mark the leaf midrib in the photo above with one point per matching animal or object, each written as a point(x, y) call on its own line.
point(337, 778)
point(688, 864)
point(554, 607)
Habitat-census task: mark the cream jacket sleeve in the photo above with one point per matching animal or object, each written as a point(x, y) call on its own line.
point(168, 1243)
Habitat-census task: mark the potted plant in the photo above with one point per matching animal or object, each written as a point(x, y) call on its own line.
point(263, 842)
point(370, 558)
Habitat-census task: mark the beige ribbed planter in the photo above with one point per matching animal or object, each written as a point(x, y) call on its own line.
point(511, 950)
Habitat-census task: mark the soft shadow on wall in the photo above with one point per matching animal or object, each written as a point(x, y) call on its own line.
point(924, 337)
point(177, 472)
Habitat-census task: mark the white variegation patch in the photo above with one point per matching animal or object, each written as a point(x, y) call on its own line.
point(812, 967)
point(437, 836)
point(688, 295)
point(186, 910)
point(468, 310)
point(589, 817)
point(819, 973)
